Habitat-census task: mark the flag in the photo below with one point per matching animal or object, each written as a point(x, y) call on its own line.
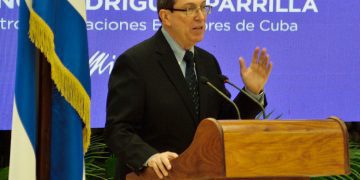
point(58, 29)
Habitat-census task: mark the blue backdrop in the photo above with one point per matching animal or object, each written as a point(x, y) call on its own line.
point(313, 45)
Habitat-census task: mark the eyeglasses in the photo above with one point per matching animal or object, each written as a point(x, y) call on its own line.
point(206, 10)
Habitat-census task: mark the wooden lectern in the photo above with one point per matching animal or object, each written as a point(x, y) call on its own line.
point(262, 149)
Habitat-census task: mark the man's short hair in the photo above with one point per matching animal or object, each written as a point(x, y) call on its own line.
point(164, 4)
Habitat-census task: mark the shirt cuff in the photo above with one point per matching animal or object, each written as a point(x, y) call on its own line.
point(258, 97)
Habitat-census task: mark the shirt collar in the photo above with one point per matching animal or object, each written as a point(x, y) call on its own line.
point(179, 52)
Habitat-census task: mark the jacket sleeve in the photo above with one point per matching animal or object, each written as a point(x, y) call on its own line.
point(124, 114)
point(247, 107)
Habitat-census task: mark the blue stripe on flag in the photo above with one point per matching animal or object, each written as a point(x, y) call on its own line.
point(25, 83)
point(66, 140)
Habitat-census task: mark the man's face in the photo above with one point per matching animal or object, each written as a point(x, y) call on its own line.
point(187, 29)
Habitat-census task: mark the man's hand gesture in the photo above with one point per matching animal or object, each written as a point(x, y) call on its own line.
point(160, 163)
point(257, 74)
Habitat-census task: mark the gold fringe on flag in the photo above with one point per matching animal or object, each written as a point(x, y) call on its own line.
point(67, 84)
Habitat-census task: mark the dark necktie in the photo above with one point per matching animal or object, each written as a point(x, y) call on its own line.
point(191, 80)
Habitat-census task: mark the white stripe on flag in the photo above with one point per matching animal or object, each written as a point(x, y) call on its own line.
point(29, 4)
point(80, 7)
point(22, 156)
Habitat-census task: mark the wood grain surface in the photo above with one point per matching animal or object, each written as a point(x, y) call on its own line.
point(262, 150)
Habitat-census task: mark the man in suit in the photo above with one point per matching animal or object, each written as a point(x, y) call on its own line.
point(155, 101)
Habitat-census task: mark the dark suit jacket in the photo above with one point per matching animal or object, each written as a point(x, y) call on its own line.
point(149, 107)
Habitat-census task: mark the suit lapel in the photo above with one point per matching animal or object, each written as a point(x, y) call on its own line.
point(168, 62)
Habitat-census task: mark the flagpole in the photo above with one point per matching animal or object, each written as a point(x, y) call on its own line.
point(45, 85)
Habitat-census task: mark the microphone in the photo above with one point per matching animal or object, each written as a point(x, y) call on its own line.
point(206, 81)
point(225, 79)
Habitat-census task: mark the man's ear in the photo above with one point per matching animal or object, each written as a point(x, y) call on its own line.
point(165, 17)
